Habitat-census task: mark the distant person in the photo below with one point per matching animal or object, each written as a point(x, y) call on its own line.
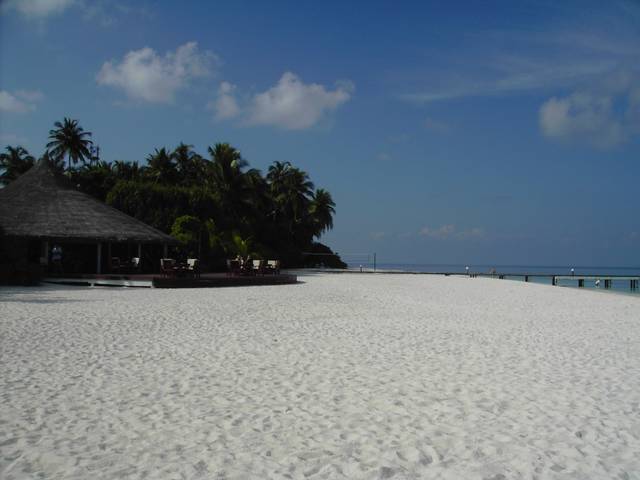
point(598, 283)
point(56, 258)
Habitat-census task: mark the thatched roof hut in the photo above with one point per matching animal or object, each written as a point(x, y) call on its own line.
point(43, 204)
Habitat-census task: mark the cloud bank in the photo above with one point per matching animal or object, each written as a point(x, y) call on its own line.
point(21, 101)
point(605, 116)
point(225, 106)
point(290, 104)
point(37, 9)
point(145, 75)
point(450, 231)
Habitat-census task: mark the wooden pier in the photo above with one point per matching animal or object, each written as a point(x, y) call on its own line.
point(605, 280)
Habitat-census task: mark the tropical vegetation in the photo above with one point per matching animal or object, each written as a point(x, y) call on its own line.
point(14, 162)
point(214, 204)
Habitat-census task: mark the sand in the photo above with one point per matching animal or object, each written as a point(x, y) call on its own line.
point(342, 376)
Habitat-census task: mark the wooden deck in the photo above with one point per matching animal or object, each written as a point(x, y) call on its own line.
point(206, 280)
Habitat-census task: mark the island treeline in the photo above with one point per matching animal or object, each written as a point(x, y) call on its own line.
point(214, 204)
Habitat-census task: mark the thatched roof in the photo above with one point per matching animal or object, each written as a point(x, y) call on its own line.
point(43, 204)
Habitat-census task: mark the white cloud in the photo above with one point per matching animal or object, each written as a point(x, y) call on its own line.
point(605, 116)
point(450, 231)
point(377, 235)
point(21, 101)
point(294, 105)
point(475, 232)
point(512, 76)
point(30, 95)
point(12, 138)
point(37, 9)
point(510, 61)
point(109, 13)
point(444, 231)
point(145, 75)
point(225, 106)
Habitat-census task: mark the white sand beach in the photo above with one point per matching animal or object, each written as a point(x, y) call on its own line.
point(342, 376)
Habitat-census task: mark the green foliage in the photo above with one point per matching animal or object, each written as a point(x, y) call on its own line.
point(322, 255)
point(188, 230)
point(160, 205)
point(14, 162)
point(217, 206)
point(97, 179)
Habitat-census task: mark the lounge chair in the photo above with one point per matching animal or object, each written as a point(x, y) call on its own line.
point(233, 267)
point(167, 267)
point(114, 264)
point(273, 266)
point(258, 267)
point(135, 265)
point(193, 267)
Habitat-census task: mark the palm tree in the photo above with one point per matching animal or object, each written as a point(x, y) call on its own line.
point(126, 170)
point(321, 210)
point(14, 163)
point(190, 165)
point(69, 139)
point(161, 167)
point(290, 189)
point(56, 164)
point(229, 181)
point(96, 178)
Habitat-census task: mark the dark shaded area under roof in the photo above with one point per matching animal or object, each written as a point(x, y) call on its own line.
point(43, 204)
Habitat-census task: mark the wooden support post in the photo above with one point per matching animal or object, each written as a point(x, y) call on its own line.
point(553, 281)
point(140, 251)
point(607, 283)
point(526, 278)
point(165, 250)
point(99, 259)
point(581, 282)
point(45, 253)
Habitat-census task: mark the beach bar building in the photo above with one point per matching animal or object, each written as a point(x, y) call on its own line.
point(42, 208)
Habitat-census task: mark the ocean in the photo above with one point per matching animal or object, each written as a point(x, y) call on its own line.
point(517, 272)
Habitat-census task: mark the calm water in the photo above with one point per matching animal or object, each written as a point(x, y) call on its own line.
point(617, 285)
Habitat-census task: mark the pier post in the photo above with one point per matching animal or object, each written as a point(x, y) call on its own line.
point(553, 280)
point(581, 282)
point(526, 278)
point(607, 283)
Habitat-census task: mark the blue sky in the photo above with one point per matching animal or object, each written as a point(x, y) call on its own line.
point(471, 132)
